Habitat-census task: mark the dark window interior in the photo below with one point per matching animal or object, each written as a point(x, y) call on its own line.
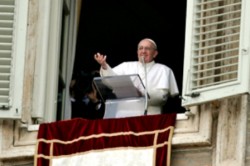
point(114, 28)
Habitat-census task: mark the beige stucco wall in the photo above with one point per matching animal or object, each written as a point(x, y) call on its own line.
point(229, 140)
point(247, 148)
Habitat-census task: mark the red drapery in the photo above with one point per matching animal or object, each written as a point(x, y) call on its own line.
point(122, 141)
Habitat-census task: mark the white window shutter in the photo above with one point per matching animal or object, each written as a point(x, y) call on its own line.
point(216, 63)
point(13, 24)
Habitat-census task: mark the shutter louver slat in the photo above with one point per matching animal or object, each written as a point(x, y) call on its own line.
point(218, 52)
point(7, 2)
point(6, 31)
point(6, 23)
point(5, 46)
point(216, 38)
point(5, 39)
point(229, 14)
point(215, 68)
point(213, 61)
point(6, 16)
point(237, 19)
point(208, 77)
point(215, 83)
point(5, 53)
point(232, 28)
point(219, 5)
point(6, 9)
point(218, 45)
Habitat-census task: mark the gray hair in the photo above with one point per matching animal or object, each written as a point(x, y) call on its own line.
point(151, 41)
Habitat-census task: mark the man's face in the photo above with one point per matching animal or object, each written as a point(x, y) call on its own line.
point(147, 50)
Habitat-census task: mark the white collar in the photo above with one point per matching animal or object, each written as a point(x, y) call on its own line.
point(150, 64)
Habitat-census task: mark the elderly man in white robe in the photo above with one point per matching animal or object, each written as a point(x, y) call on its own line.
point(159, 78)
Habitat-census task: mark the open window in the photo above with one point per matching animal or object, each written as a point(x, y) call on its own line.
point(13, 24)
point(216, 63)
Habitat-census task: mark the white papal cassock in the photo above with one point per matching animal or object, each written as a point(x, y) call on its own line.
point(161, 82)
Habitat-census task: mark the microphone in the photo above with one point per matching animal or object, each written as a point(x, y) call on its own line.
point(142, 60)
point(146, 88)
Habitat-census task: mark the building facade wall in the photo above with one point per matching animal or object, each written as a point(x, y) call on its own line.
point(216, 135)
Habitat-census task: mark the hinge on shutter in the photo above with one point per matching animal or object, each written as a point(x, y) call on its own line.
point(193, 95)
point(244, 51)
point(4, 107)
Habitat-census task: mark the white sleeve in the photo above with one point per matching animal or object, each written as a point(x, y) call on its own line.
point(117, 70)
point(157, 97)
point(173, 88)
point(108, 72)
